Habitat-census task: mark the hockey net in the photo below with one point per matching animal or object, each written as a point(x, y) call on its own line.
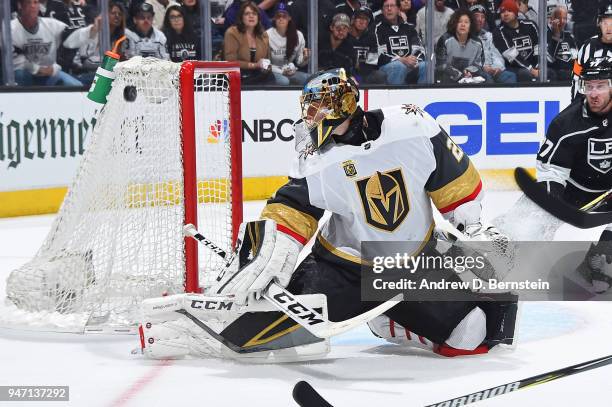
point(165, 151)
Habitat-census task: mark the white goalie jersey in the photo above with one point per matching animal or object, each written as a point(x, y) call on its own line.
point(381, 190)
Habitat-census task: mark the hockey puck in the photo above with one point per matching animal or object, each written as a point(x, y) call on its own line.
point(130, 93)
point(306, 396)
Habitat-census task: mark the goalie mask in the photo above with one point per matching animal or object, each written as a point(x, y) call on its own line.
point(328, 99)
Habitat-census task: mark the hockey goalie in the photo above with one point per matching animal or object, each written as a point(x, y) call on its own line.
point(399, 149)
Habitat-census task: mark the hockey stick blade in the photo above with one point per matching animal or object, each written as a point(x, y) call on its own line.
point(286, 302)
point(306, 396)
point(557, 207)
point(524, 383)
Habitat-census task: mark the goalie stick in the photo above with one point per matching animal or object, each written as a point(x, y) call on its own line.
point(286, 302)
point(306, 396)
point(583, 218)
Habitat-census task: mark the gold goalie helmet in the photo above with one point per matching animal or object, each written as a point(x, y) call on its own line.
point(328, 99)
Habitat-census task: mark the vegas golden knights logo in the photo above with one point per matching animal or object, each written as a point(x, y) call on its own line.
point(349, 168)
point(384, 199)
point(412, 109)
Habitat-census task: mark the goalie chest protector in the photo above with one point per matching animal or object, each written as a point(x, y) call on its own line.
point(383, 189)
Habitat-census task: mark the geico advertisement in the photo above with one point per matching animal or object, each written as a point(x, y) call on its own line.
point(43, 135)
point(497, 127)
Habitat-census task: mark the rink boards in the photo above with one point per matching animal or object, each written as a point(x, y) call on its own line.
point(43, 136)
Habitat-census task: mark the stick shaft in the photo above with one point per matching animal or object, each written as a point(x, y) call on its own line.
point(524, 383)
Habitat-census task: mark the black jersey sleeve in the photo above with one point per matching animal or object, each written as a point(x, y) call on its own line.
point(556, 149)
point(555, 157)
point(291, 209)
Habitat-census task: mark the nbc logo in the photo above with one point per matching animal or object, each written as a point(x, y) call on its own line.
point(218, 130)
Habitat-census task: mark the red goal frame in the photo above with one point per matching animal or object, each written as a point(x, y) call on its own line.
point(188, 137)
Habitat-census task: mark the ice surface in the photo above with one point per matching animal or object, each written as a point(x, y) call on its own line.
point(361, 370)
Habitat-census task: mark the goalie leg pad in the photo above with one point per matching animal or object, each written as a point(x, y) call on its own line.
point(502, 317)
point(165, 340)
point(202, 326)
point(467, 335)
point(470, 332)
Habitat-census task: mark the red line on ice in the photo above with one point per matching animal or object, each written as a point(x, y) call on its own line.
point(141, 383)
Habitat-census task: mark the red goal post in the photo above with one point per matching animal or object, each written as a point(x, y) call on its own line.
point(188, 130)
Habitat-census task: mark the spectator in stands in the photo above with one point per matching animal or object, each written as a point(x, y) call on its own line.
point(217, 10)
point(268, 6)
point(365, 49)
point(562, 49)
point(288, 49)
point(441, 16)
point(54, 9)
point(336, 48)
point(347, 7)
point(78, 11)
point(145, 40)
point(494, 64)
point(86, 40)
point(400, 51)
point(585, 19)
point(492, 7)
point(457, 4)
point(298, 10)
point(159, 8)
point(459, 52)
point(181, 42)
point(191, 14)
point(248, 43)
point(132, 8)
point(407, 12)
point(76, 14)
point(527, 12)
point(35, 43)
point(517, 40)
point(231, 15)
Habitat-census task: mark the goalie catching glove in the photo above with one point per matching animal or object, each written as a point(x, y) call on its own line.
point(478, 239)
point(263, 254)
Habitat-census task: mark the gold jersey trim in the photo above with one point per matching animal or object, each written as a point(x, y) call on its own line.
point(300, 222)
point(457, 189)
point(358, 260)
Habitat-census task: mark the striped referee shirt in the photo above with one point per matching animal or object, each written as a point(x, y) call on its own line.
point(592, 48)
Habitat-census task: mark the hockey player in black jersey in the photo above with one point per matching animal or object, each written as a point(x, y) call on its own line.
point(576, 158)
point(598, 46)
point(380, 174)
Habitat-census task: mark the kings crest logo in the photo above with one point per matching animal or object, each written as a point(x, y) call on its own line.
point(600, 154)
point(384, 199)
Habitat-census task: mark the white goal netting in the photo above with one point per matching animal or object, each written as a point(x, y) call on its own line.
point(118, 236)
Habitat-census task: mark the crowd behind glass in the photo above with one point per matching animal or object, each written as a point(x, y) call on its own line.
point(382, 42)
